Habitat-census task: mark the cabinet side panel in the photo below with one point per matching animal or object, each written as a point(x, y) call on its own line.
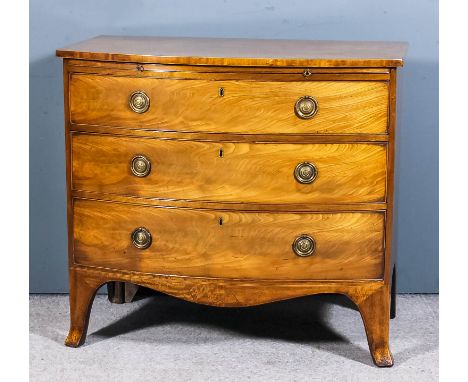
point(390, 175)
point(66, 100)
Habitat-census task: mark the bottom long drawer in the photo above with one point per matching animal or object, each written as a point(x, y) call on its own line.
point(211, 243)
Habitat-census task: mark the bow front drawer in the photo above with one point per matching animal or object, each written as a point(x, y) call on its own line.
point(228, 106)
point(210, 243)
point(230, 172)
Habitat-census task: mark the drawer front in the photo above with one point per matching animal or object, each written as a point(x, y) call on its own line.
point(247, 107)
point(232, 172)
point(246, 245)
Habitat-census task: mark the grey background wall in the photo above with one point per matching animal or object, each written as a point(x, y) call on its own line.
point(55, 24)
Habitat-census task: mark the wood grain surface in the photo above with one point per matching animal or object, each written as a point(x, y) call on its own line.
point(234, 172)
point(250, 107)
point(229, 244)
point(238, 51)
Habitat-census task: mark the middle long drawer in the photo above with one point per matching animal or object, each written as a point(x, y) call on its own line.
point(230, 172)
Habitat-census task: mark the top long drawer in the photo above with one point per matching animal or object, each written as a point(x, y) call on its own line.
point(230, 106)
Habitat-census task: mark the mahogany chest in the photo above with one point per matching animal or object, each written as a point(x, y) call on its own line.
point(232, 172)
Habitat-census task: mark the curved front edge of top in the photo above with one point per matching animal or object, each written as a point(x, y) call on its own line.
point(248, 52)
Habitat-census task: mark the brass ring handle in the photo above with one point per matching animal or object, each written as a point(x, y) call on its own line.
point(306, 107)
point(304, 245)
point(305, 172)
point(140, 166)
point(141, 238)
point(139, 102)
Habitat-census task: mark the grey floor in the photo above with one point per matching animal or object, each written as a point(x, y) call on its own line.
point(159, 338)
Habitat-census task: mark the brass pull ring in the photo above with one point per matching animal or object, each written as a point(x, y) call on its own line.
point(140, 166)
point(306, 107)
point(139, 102)
point(141, 238)
point(305, 172)
point(304, 245)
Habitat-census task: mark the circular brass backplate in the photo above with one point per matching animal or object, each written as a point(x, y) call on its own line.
point(141, 238)
point(305, 172)
point(139, 102)
point(304, 245)
point(306, 107)
point(140, 166)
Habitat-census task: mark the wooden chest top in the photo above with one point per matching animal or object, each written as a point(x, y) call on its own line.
point(238, 52)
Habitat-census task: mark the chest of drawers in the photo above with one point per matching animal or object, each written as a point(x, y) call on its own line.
point(232, 172)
